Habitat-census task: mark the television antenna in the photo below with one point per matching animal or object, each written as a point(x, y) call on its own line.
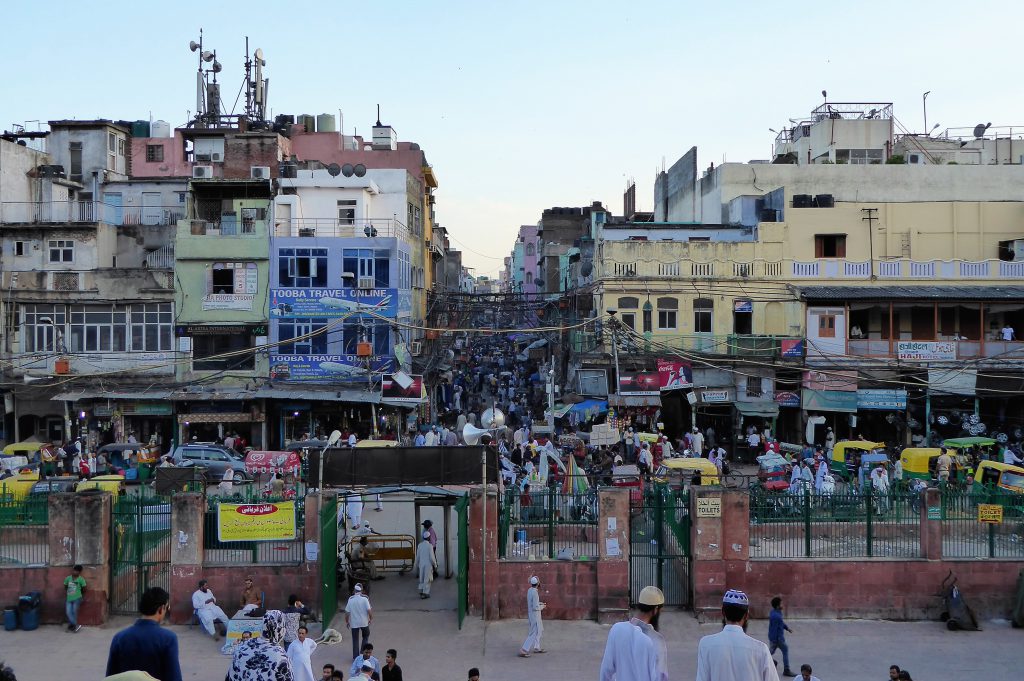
point(256, 85)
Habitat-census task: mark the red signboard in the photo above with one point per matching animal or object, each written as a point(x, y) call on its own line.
point(674, 374)
point(392, 390)
point(639, 383)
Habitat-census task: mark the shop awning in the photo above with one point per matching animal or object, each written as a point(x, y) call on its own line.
point(634, 400)
point(762, 408)
point(843, 401)
point(87, 394)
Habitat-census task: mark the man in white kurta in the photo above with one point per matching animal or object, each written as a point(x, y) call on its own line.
point(533, 609)
point(629, 655)
point(731, 655)
point(425, 564)
point(207, 610)
point(300, 653)
point(354, 510)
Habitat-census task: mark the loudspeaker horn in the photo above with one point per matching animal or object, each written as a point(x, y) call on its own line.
point(471, 434)
point(492, 418)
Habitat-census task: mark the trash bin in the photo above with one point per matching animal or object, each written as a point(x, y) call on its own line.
point(10, 619)
point(28, 610)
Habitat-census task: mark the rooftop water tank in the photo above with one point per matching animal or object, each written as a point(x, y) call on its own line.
point(160, 129)
point(140, 129)
point(308, 122)
point(325, 123)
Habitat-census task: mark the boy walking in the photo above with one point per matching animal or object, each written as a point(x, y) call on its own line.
point(74, 588)
point(777, 629)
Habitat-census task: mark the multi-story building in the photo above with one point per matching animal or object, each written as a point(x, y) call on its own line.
point(864, 296)
point(90, 286)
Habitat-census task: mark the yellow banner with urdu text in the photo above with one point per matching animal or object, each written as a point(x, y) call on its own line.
point(272, 521)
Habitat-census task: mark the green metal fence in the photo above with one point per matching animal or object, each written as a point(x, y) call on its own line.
point(963, 536)
point(848, 524)
point(140, 528)
point(659, 530)
point(548, 524)
point(23, 535)
point(277, 552)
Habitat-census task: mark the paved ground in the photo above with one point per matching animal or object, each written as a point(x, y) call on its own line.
point(432, 648)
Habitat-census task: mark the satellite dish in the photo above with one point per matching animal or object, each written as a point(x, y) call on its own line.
point(333, 170)
point(193, 45)
point(360, 170)
point(334, 438)
point(587, 269)
point(347, 170)
point(980, 129)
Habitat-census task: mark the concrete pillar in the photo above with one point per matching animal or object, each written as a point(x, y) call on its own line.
point(60, 531)
point(613, 568)
point(706, 542)
point(313, 589)
point(931, 530)
point(92, 551)
point(483, 554)
point(187, 527)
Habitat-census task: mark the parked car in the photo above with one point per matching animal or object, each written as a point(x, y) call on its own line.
point(214, 458)
point(65, 483)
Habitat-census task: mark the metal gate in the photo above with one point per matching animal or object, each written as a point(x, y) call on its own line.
point(462, 577)
point(659, 529)
point(329, 559)
point(140, 541)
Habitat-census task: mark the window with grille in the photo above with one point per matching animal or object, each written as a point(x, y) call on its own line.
point(154, 153)
point(347, 212)
point(65, 281)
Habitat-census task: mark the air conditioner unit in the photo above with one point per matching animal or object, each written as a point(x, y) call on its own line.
point(365, 282)
point(259, 172)
point(216, 157)
point(416, 348)
point(307, 231)
point(203, 157)
point(202, 172)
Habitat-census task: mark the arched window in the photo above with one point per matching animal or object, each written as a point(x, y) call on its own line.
point(628, 303)
point(530, 249)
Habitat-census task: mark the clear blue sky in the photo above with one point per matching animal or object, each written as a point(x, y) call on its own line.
point(526, 105)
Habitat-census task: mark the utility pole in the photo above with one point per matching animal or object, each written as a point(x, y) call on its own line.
point(613, 323)
point(870, 217)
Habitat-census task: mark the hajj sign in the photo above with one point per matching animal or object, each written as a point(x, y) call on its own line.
point(256, 522)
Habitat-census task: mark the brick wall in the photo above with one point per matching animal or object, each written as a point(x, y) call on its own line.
point(50, 582)
point(276, 581)
point(568, 587)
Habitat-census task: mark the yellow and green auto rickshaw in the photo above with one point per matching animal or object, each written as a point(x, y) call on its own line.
point(17, 487)
point(106, 483)
point(964, 445)
point(842, 449)
point(677, 472)
point(19, 455)
point(920, 462)
point(1000, 483)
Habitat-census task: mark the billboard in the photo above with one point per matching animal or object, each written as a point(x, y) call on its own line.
point(926, 350)
point(792, 347)
point(391, 390)
point(674, 374)
point(890, 400)
point(311, 303)
point(326, 367)
point(639, 383)
point(256, 522)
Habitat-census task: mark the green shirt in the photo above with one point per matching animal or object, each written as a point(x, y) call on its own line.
point(74, 587)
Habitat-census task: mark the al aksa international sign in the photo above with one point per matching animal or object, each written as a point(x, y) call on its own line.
point(256, 522)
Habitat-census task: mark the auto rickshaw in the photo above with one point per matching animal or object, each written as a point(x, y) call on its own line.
point(1001, 483)
point(964, 446)
point(108, 483)
point(18, 455)
point(919, 463)
point(629, 476)
point(677, 472)
point(841, 450)
point(18, 486)
point(137, 468)
point(773, 472)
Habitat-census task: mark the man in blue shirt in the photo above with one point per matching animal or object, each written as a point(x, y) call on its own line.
point(146, 646)
point(777, 636)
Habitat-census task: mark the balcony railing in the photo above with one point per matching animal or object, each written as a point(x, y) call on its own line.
point(334, 227)
point(823, 269)
point(969, 349)
point(161, 259)
point(733, 345)
point(63, 212)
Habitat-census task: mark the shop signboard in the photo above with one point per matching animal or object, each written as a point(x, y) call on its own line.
point(639, 383)
point(674, 374)
point(324, 303)
point(926, 350)
point(256, 522)
point(716, 396)
point(786, 398)
point(326, 368)
point(792, 347)
point(228, 301)
point(392, 390)
point(886, 400)
point(742, 306)
point(843, 381)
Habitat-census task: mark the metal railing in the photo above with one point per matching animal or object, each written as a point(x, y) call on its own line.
point(551, 525)
point(161, 259)
point(848, 524)
point(733, 345)
point(30, 510)
point(335, 227)
point(963, 536)
point(42, 212)
point(23, 533)
point(277, 552)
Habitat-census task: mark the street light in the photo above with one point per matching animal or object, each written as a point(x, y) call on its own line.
point(331, 441)
point(924, 105)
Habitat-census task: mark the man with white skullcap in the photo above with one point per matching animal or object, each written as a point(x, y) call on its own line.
point(731, 655)
point(644, 657)
point(425, 564)
point(533, 607)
